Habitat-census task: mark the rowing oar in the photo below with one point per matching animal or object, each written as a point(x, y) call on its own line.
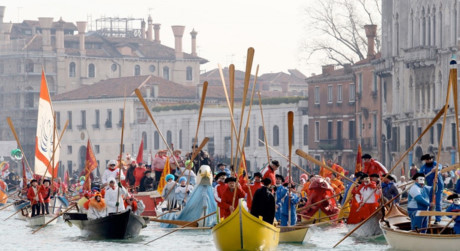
point(165, 213)
point(318, 202)
point(445, 227)
point(6, 206)
point(186, 225)
point(57, 216)
point(436, 213)
point(13, 214)
point(175, 222)
point(364, 221)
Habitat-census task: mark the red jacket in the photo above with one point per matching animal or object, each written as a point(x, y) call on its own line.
point(373, 167)
point(227, 200)
point(31, 195)
point(253, 189)
point(45, 192)
point(138, 174)
point(133, 205)
point(270, 174)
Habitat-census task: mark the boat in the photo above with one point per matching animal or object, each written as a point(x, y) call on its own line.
point(369, 229)
point(123, 225)
point(151, 200)
point(40, 220)
point(294, 234)
point(20, 204)
point(396, 227)
point(318, 216)
point(243, 231)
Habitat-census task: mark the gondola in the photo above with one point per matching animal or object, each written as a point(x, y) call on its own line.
point(123, 225)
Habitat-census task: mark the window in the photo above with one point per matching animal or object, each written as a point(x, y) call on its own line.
point(339, 93)
point(69, 117)
point(180, 139)
point(169, 137)
point(248, 138)
point(91, 71)
point(339, 131)
point(137, 70)
point(97, 148)
point(29, 98)
point(69, 149)
point(69, 167)
point(361, 125)
point(166, 72)
point(317, 131)
point(30, 66)
point(152, 68)
point(58, 120)
point(261, 136)
point(329, 129)
point(360, 83)
point(156, 140)
point(108, 122)
point(317, 95)
point(454, 134)
point(83, 119)
point(72, 69)
point(144, 139)
point(114, 67)
point(97, 119)
point(439, 126)
point(329, 94)
point(189, 74)
point(276, 136)
point(120, 122)
point(305, 135)
point(374, 86)
point(432, 135)
point(352, 129)
point(375, 129)
point(352, 93)
point(408, 136)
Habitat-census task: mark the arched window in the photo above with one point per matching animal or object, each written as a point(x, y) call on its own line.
point(189, 74)
point(169, 137)
point(180, 139)
point(166, 72)
point(276, 136)
point(137, 70)
point(144, 139)
point(305, 135)
point(91, 71)
point(261, 136)
point(248, 138)
point(156, 140)
point(72, 69)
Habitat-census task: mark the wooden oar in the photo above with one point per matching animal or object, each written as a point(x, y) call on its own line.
point(57, 216)
point(445, 227)
point(4, 207)
point(290, 122)
point(231, 74)
point(318, 202)
point(319, 163)
point(284, 157)
point(120, 165)
point(181, 227)
point(436, 213)
point(175, 222)
point(13, 214)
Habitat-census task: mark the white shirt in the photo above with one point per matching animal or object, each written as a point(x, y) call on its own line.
point(111, 199)
point(108, 174)
point(93, 213)
point(368, 195)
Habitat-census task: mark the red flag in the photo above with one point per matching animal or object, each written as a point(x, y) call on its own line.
point(66, 178)
point(359, 160)
point(90, 165)
point(140, 153)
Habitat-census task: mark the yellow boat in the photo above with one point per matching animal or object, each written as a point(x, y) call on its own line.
point(317, 217)
point(294, 234)
point(242, 231)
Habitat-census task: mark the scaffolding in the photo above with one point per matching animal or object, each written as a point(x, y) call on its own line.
point(119, 27)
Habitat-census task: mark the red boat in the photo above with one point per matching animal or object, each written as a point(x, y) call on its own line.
point(151, 199)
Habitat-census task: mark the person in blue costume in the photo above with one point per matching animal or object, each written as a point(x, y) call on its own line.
point(457, 186)
point(279, 189)
point(284, 204)
point(200, 202)
point(455, 207)
point(419, 200)
point(425, 169)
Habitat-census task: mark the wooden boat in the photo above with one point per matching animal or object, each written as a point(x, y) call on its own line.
point(294, 234)
point(370, 229)
point(121, 225)
point(39, 220)
point(151, 200)
point(242, 231)
point(396, 228)
point(20, 204)
point(318, 216)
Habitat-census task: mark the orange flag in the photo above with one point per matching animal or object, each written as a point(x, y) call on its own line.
point(359, 160)
point(90, 165)
point(166, 171)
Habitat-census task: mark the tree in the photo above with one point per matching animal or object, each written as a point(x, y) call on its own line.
point(339, 25)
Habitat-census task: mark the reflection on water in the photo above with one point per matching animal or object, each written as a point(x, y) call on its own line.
point(15, 235)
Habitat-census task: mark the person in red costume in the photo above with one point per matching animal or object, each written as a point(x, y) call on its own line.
point(219, 189)
point(270, 170)
point(227, 198)
point(138, 174)
point(319, 190)
point(336, 167)
point(250, 189)
point(367, 197)
point(35, 197)
point(45, 192)
point(372, 166)
point(131, 203)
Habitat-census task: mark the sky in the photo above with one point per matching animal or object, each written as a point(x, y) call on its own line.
point(226, 29)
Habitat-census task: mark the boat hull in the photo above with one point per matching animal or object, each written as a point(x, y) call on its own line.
point(151, 201)
point(295, 234)
point(243, 231)
point(40, 220)
point(122, 225)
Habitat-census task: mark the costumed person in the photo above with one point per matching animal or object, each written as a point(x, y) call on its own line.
point(389, 188)
point(147, 182)
point(131, 203)
point(413, 170)
point(159, 164)
point(219, 189)
point(372, 166)
point(426, 169)
point(114, 197)
point(419, 199)
point(293, 198)
point(97, 207)
point(111, 173)
point(455, 207)
point(300, 189)
point(338, 185)
point(368, 195)
point(228, 204)
point(187, 171)
point(45, 192)
point(172, 161)
point(375, 178)
point(263, 202)
point(130, 177)
point(221, 167)
point(334, 166)
point(250, 190)
point(279, 189)
point(320, 189)
point(168, 192)
point(183, 191)
point(457, 185)
point(35, 197)
point(139, 173)
point(270, 170)
point(350, 200)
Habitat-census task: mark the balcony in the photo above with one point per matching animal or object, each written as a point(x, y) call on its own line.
point(420, 56)
point(338, 144)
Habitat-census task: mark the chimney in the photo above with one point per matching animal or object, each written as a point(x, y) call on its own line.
point(156, 27)
point(81, 27)
point(328, 69)
point(2, 13)
point(193, 34)
point(371, 32)
point(143, 29)
point(60, 37)
point(149, 29)
point(347, 68)
point(45, 24)
point(178, 33)
point(6, 29)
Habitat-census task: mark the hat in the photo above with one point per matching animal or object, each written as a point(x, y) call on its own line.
point(32, 181)
point(194, 146)
point(133, 162)
point(177, 150)
point(220, 164)
point(220, 175)
point(391, 177)
point(276, 163)
point(374, 175)
point(366, 156)
point(280, 177)
point(426, 157)
point(187, 163)
point(257, 174)
point(182, 179)
point(453, 196)
point(230, 179)
point(112, 162)
point(98, 194)
point(267, 181)
point(47, 181)
point(304, 176)
point(418, 175)
point(364, 175)
point(169, 176)
point(358, 175)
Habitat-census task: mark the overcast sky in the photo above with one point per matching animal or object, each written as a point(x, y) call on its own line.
point(276, 29)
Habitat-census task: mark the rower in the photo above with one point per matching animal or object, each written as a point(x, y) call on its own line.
point(425, 169)
point(372, 166)
point(34, 196)
point(389, 188)
point(168, 191)
point(455, 207)
point(293, 198)
point(270, 170)
point(111, 173)
point(279, 189)
point(45, 192)
point(263, 202)
point(219, 189)
point(113, 202)
point(419, 199)
point(97, 207)
point(228, 204)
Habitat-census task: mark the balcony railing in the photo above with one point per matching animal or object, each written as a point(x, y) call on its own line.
point(338, 144)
